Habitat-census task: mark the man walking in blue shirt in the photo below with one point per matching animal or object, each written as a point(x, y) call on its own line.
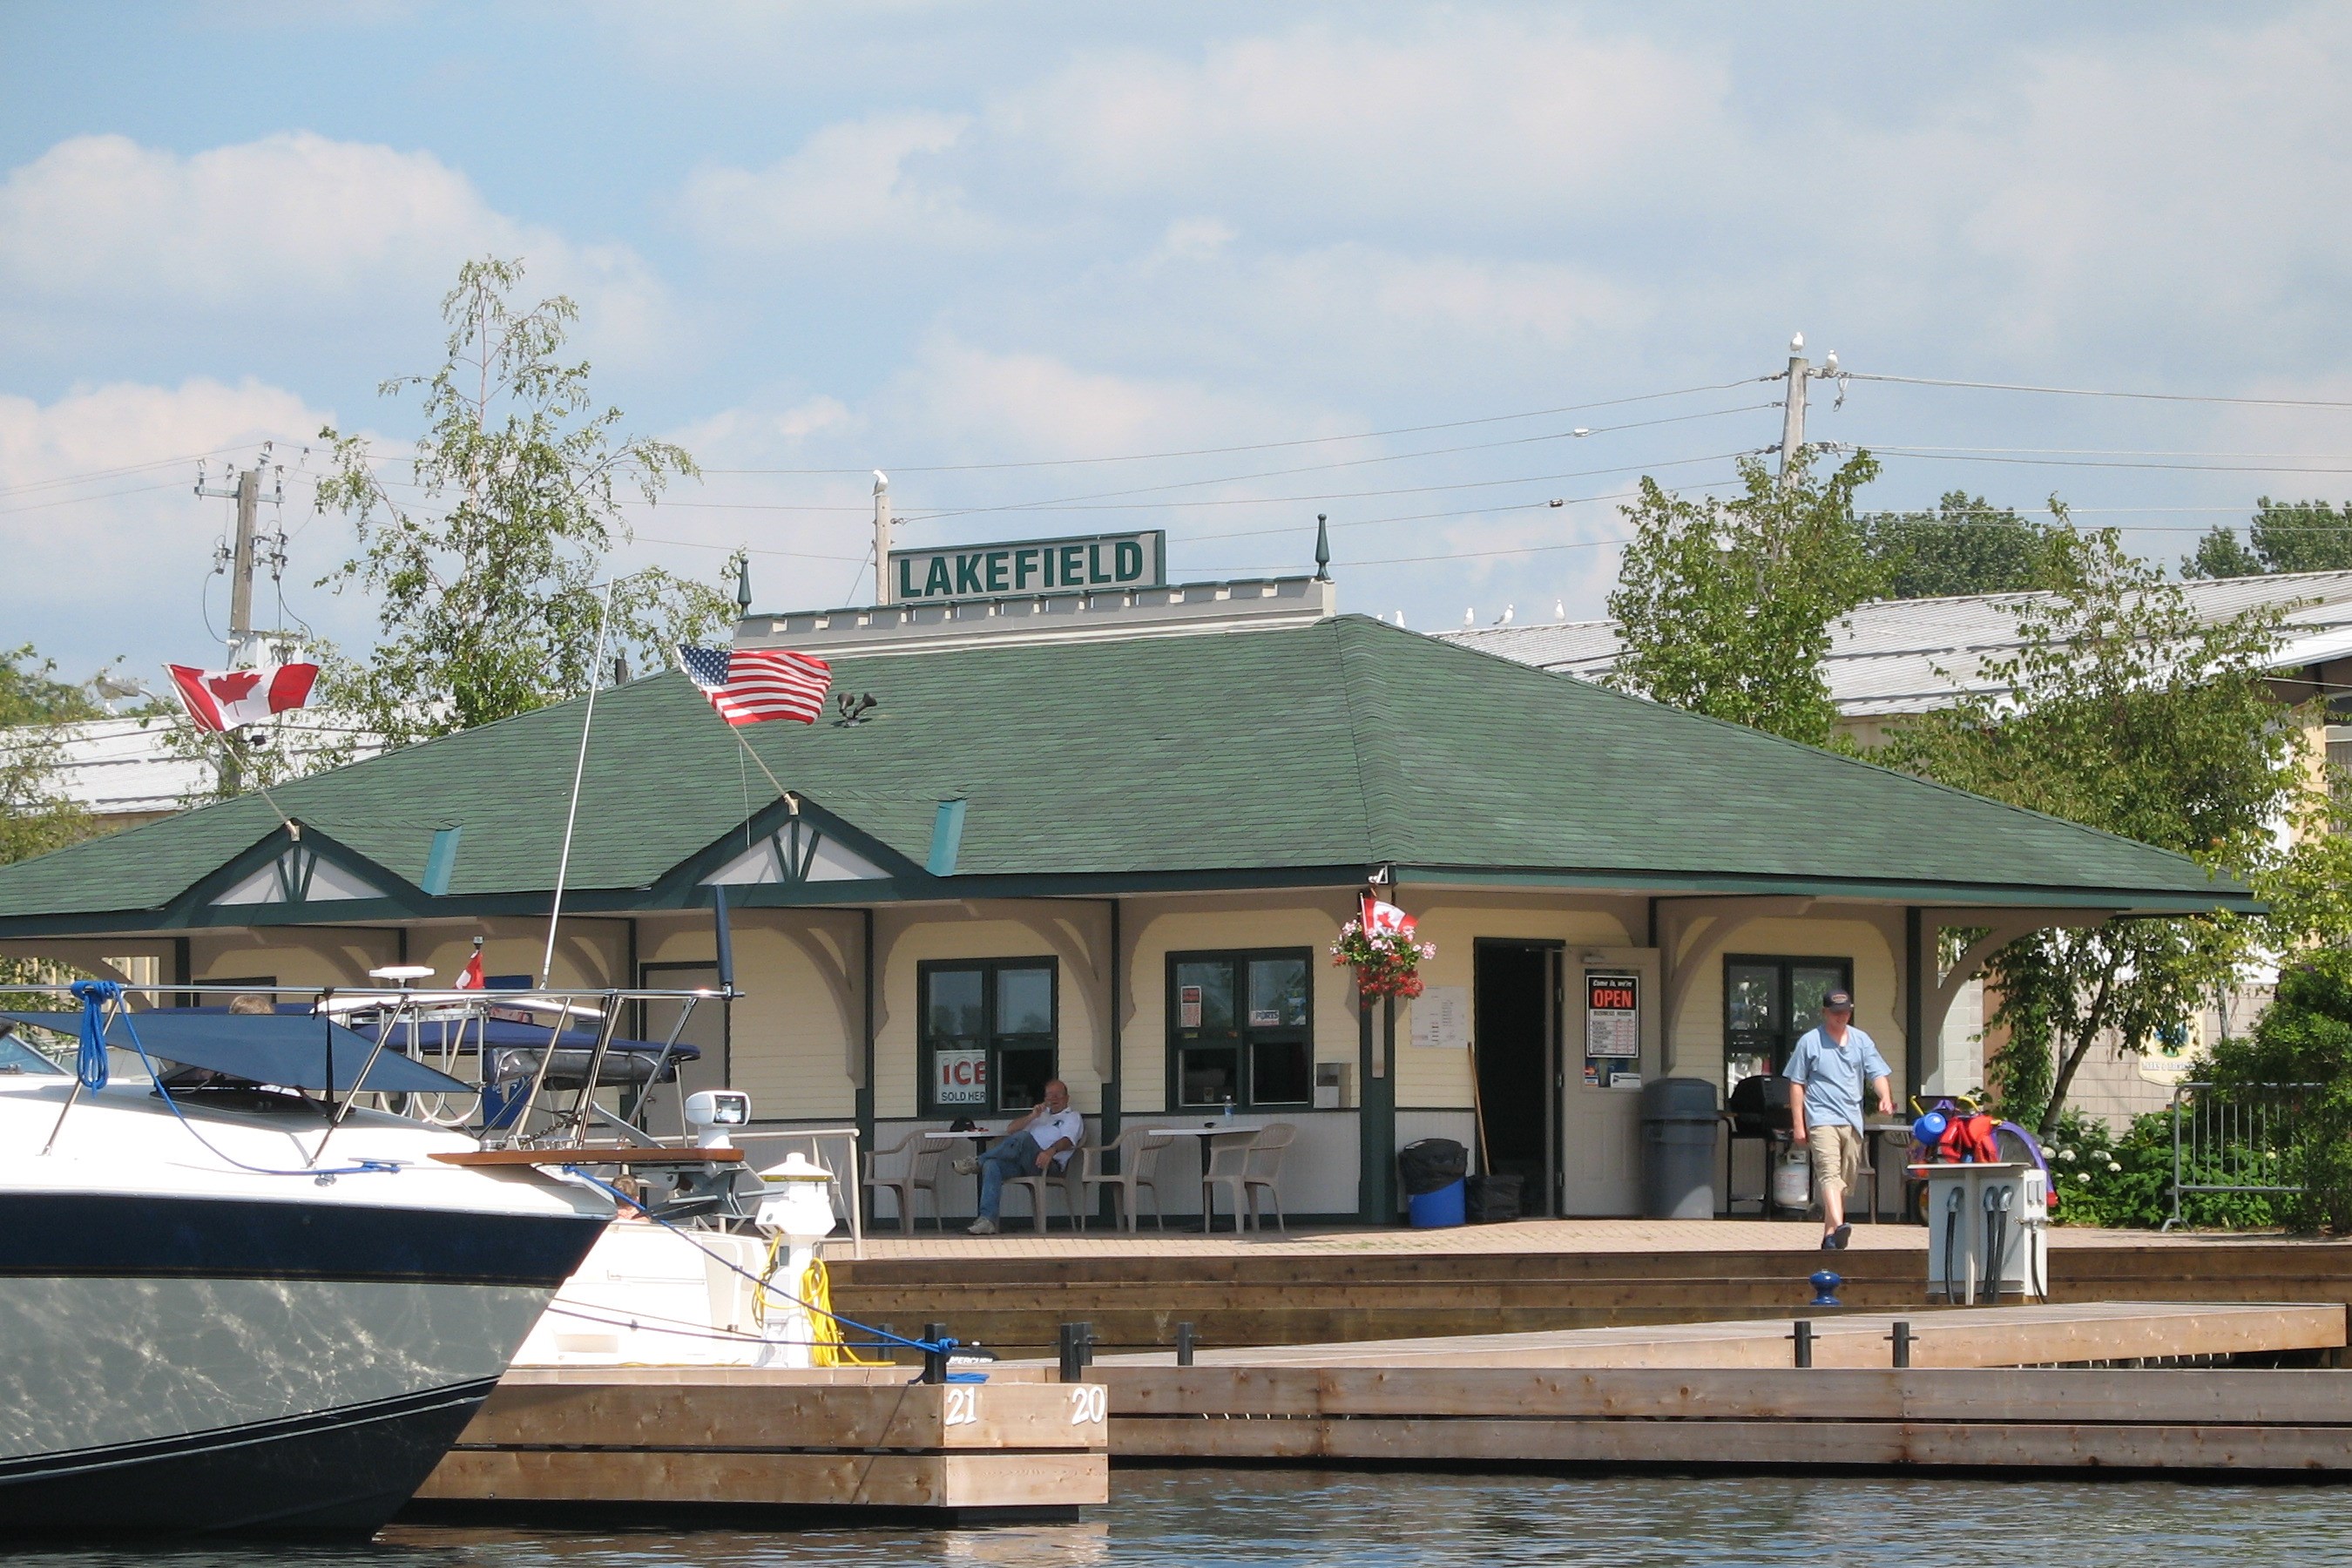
point(1826, 1072)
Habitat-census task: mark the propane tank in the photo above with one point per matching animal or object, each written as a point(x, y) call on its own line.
point(1793, 1179)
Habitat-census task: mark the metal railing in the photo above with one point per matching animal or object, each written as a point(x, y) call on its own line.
point(2235, 1139)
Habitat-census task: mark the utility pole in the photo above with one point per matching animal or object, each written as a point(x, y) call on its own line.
point(246, 493)
point(1793, 417)
point(881, 537)
point(245, 557)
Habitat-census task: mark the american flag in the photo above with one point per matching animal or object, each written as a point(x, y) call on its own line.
point(748, 685)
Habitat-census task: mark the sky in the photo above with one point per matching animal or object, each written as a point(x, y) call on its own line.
point(1210, 269)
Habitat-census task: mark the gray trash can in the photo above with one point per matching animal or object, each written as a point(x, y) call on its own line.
point(1678, 1133)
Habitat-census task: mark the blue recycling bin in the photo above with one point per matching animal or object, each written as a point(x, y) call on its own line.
point(1435, 1211)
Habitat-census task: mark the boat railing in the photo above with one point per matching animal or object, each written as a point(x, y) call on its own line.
point(394, 1014)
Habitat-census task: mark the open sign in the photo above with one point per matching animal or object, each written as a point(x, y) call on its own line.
point(962, 1076)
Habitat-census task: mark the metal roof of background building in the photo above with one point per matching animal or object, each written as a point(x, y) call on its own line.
point(1893, 656)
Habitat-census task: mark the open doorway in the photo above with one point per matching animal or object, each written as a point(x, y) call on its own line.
point(1516, 1009)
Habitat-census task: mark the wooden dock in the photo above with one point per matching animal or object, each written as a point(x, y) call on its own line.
point(1983, 1394)
point(1529, 1277)
point(647, 1444)
point(2042, 1335)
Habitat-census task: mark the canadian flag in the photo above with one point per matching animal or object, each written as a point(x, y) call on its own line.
point(225, 698)
point(1382, 919)
point(470, 979)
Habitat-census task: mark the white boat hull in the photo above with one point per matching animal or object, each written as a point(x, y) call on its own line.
point(186, 1352)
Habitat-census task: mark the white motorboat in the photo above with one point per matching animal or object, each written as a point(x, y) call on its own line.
point(244, 1304)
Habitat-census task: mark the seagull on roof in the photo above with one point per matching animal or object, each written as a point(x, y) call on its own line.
point(1505, 619)
point(1559, 609)
point(1470, 616)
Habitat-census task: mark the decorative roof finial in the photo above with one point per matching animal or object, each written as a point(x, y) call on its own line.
point(1322, 548)
point(743, 584)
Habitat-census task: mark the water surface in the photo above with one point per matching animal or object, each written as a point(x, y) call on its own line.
point(1311, 1519)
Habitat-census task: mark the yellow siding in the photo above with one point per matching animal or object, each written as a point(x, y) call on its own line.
point(1455, 921)
point(1074, 935)
point(312, 957)
point(1698, 1045)
point(1158, 927)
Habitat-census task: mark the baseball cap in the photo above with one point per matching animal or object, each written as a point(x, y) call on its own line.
point(1838, 999)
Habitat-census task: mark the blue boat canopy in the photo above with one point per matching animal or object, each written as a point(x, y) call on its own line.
point(286, 1049)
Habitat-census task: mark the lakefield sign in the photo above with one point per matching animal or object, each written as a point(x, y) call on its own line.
point(1094, 561)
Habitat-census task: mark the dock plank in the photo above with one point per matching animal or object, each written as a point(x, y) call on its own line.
point(782, 1413)
point(713, 1478)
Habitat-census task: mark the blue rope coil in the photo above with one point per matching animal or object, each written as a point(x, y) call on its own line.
point(90, 1064)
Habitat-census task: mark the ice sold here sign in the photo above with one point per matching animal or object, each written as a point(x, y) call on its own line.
point(962, 1077)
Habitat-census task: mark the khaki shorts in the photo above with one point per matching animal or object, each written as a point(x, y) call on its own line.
point(1837, 1158)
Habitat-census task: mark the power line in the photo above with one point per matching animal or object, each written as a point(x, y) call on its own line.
point(1266, 446)
point(94, 474)
point(102, 495)
point(1323, 467)
point(1925, 455)
point(2096, 392)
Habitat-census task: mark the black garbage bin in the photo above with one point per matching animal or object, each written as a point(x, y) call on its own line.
point(1678, 1133)
point(1430, 1170)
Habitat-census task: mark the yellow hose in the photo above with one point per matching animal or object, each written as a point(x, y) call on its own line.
point(816, 1293)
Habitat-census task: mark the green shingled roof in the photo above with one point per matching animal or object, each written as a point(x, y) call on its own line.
point(1339, 746)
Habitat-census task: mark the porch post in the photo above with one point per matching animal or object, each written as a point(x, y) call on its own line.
point(1919, 978)
point(1376, 1117)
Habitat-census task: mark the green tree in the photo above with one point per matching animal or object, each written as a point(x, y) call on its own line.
point(487, 580)
point(2122, 710)
point(1967, 545)
point(34, 818)
point(1725, 607)
point(2284, 536)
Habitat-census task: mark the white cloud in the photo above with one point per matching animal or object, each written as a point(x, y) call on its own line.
point(292, 224)
point(1499, 116)
point(867, 180)
point(90, 507)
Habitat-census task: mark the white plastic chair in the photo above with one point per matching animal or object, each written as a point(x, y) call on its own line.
point(1137, 1149)
point(922, 1174)
point(1069, 1180)
point(1262, 1168)
point(1228, 1157)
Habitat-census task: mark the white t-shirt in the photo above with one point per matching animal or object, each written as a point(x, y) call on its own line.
point(1052, 1126)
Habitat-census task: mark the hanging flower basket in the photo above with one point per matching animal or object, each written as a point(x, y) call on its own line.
point(1385, 954)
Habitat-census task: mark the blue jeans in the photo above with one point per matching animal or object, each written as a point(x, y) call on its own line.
point(1007, 1158)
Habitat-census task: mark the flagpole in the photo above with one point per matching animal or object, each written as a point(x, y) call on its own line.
point(579, 769)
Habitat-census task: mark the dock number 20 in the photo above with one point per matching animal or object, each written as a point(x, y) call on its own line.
point(1088, 1402)
point(963, 1407)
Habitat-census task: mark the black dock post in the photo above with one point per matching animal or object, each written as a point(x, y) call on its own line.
point(1077, 1350)
point(1183, 1344)
point(1804, 1338)
point(1902, 1337)
point(935, 1360)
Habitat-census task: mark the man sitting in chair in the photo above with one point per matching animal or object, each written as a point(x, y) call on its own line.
point(1039, 1144)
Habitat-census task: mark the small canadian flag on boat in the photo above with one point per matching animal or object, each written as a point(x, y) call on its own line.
point(470, 978)
point(225, 698)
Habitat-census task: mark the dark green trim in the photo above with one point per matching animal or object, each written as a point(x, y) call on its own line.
point(1114, 1087)
point(988, 969)
point(865, 1098)
point(1246, 1047)
point(1921, 966)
